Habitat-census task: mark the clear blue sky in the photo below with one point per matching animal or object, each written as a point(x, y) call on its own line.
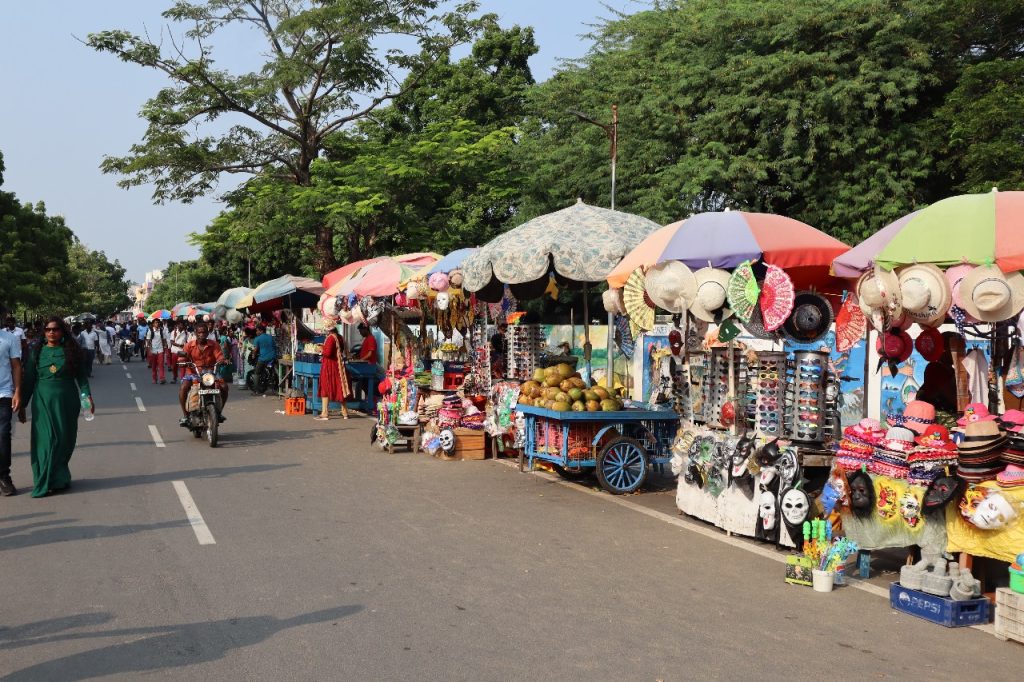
point(64, 107)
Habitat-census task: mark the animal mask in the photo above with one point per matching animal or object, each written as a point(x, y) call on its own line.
point(942, 490)
point(862, 494)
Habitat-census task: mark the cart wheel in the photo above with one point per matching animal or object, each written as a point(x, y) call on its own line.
point(572, 474)
point(622, 466)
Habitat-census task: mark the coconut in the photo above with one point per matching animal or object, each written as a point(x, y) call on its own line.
point(593, 406)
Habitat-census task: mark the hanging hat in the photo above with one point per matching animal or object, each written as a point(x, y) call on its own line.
point(455, 278)
point(711, 297)
point(992, 296)
point(612, 300)
point(777, 296)
point(850, 324)
point(743, 291)
point(954, 276)
point(936, 437)
point(810, 320)
point(639, 306)
point(895, 345)
point(671, 286)
point(878, 292)
point(438, 281)
point(755, 326)
point(929, 344)
point(925, 294)
point(975, 412)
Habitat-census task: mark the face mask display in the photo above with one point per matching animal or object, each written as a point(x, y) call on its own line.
point(795, 507)
point(766, 510)
point(862, 494)
point(910, 510)
point(942, 490)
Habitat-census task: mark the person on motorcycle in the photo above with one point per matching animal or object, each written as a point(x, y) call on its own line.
point(205, 353)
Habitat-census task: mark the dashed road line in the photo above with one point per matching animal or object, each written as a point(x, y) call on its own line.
point(127, 375)
point(157, 440)
point(138, 401)
point(199, 527)
point(133, 386)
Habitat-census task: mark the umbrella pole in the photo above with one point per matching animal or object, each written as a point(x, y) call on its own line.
point(586, 331)
point(867, 373)
point(610, 378)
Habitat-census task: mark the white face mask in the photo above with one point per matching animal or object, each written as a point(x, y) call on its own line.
point(795, 506)
point(993, 512)
point(442, 301)
point(766, 510)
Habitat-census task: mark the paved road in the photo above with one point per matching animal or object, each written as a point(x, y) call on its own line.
point(335, 561)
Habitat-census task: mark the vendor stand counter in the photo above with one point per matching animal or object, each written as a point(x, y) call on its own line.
point(307, 379)
point(622, 446)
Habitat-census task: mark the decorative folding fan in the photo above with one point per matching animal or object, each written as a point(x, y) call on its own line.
point(850, 324)
point(639, 307)
point(743, 291)
point(776, 298)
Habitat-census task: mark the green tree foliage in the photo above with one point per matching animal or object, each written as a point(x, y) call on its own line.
point(822, 110)
point(97, 285)
point(194, 281)
point(33, 255)
point(328, 64)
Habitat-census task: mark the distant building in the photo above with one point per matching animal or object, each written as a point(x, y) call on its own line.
point(139, 293)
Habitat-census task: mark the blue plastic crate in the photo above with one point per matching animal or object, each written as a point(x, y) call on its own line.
point(941, 610)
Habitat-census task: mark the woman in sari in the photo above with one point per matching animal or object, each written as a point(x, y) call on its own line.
point(333, 379)
point(56, 377)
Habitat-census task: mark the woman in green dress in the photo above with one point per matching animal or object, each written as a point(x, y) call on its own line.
point(55, 378)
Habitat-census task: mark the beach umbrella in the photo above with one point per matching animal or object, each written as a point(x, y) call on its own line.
point(286, 291)
point(413, 260)
point(231, 297)
point(179, 309)
point(160, 315)
point(969, 228)
point(335, 276)
point(382, 277)
point(725, 239)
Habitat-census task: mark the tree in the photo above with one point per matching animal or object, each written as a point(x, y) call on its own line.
point(99, 285)
point(325, 70)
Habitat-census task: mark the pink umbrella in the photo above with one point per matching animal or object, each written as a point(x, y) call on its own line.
point(381, 278)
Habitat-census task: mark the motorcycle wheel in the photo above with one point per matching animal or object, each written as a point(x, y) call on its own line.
point(211, 425)
point(198, 433)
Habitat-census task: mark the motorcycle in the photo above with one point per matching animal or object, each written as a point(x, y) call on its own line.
point(204, 403)
point(125, 349)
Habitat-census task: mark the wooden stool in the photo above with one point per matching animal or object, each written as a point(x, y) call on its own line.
point(412, 435)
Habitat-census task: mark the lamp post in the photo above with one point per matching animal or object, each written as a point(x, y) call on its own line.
point(612, 131)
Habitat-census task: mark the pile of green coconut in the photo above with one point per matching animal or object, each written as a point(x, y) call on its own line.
point(561, 388)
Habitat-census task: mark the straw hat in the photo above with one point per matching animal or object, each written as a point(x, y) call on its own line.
point(612, 300)
point(925, 293)
point(878, 292)
point(954, 276)
point(992, 296)
point(712, 284)
point(671, 286)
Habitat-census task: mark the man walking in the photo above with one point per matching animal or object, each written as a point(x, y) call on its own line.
point(143, 332)
point(156, 351)
point(11, 326)
point(10, 402)
point(89, 339)
point(177, 338)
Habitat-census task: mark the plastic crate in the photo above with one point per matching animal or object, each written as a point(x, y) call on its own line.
point(1009, 622)
point(941, 610)
point(295, 406)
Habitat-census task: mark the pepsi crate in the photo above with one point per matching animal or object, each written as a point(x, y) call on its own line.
point(941, 610)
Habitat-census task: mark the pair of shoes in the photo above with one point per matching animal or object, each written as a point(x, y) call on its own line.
point(163, 381)
point(7, 488)
point(221, 419)
point(321, 418)
point(183, 422)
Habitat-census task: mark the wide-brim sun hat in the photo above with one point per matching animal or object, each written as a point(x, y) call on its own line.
point(955, 276)
point(810, 320)
point(710, 299)
point(895, 345)
point(878, 292)
point(671, 285)
point(990, 295)
point(925, 294)
point(929, 344)
point(612, 300)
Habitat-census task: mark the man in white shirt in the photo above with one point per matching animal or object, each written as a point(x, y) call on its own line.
point(156, 350)
point(177, 339)
point(10, 401)
point(89, 339)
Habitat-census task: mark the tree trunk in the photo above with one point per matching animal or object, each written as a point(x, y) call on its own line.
point(323, 250)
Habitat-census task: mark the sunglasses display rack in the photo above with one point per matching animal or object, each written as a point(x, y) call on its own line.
point(480, 355)
point(768, 388)
point(807, 404)
point(697, 393)
point(524, 345)
point(717, 385)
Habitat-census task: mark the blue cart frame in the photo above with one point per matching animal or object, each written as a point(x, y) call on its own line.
point(643, 438)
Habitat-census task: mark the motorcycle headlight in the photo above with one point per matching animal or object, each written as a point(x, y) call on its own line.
point(208, 379)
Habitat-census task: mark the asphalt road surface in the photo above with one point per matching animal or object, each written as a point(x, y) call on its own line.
point(326, 559)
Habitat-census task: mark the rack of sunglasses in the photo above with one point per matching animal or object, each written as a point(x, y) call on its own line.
point(524, 344)
point(480, 354)
point(807, 404)
point(767, 397)
point(715, 389)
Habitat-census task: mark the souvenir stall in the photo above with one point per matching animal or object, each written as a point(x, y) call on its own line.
point(757, 411)
point(942, 472)
point(565, 420)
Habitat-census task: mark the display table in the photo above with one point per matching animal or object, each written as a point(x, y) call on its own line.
point(366, 375)
point(621, 446)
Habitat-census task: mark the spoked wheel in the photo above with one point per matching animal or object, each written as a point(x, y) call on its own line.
point(622, 466)
point(211, 425)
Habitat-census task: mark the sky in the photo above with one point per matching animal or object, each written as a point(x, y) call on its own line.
point(65, 106)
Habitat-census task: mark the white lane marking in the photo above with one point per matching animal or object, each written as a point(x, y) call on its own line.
point(156, 437)
point(124, 367)
point(127, 375)
point(202, 531)
point(138, 401)
point(709, 532)
point(133, 386)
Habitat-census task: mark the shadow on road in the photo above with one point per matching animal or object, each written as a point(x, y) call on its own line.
point(90, 484)
point(11, 530)
point(49, 627)
point(22, 517)
point(46, 536)
point(170, 646)
point(247, 439)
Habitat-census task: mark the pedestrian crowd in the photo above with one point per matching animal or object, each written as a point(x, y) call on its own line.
point(47, 366)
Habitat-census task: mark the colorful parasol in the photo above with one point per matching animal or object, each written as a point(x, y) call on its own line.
point(282, 292)
point(969, 228)
point(382, 277)
point(231, 297)
point(160, 315)
point(743, 291)
point(639, 306)
point(727, 238)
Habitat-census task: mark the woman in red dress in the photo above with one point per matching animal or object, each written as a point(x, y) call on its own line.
point(333, 379)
